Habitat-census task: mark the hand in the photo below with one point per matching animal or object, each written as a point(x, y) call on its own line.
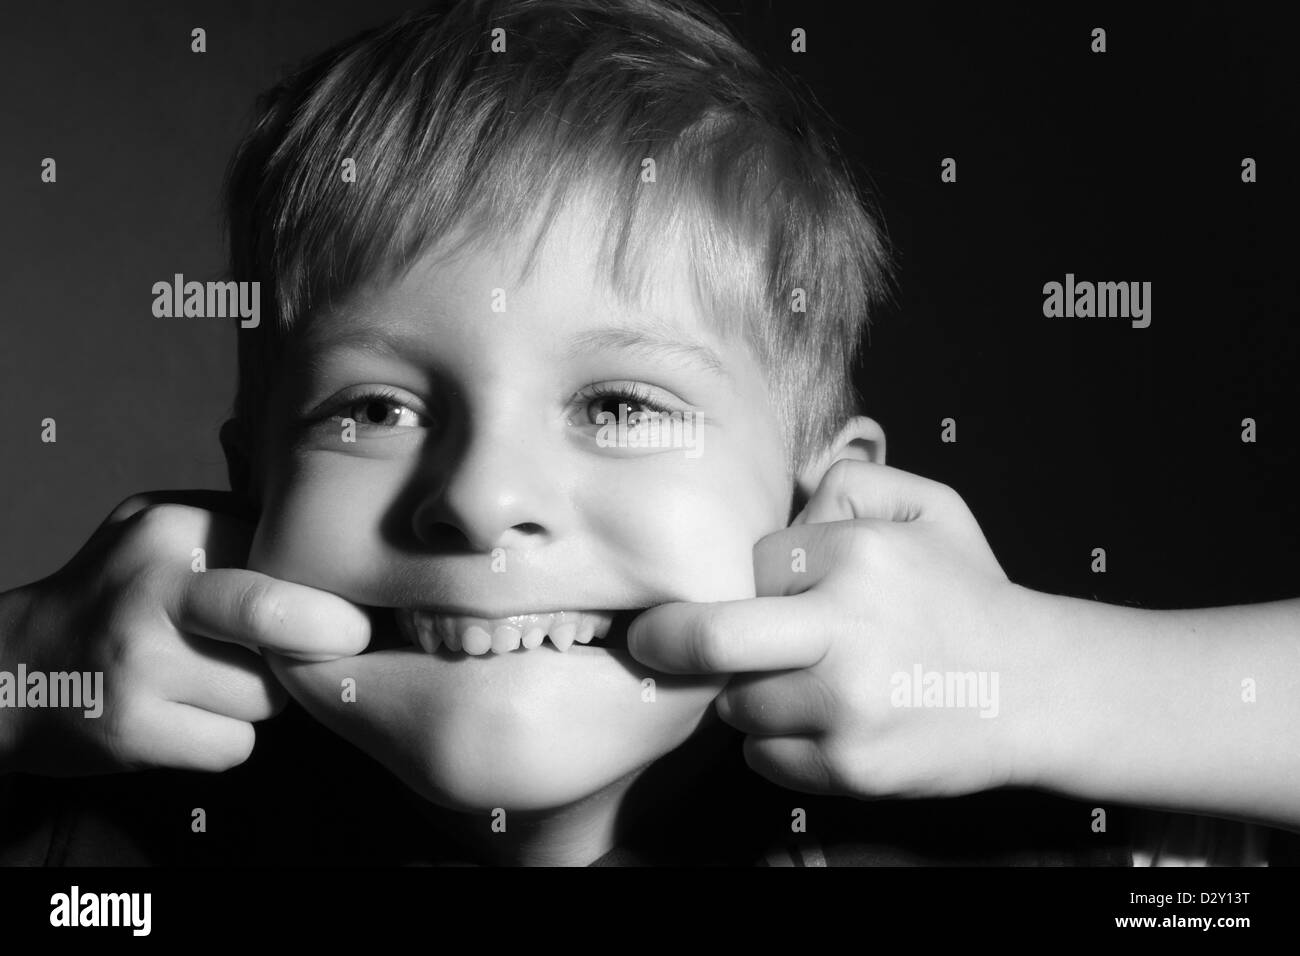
point(182, 681)
point(898, 581)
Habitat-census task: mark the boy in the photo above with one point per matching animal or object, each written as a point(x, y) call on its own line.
point(423, 432)
point(483, 250)
point(420, 428)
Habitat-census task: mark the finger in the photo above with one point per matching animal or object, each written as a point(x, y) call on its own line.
point(795, 763)
point(190, 738)
point(228, 680)
point(853, 489)
point(255, 610)
point(795, 559)
point(222, 502)
point(180, 528)
point(787, 702)
point(180, 533)
point(730, 637)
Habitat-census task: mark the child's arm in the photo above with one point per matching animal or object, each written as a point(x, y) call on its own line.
point(1188, 710)
point(887, 654)
point(172, 631)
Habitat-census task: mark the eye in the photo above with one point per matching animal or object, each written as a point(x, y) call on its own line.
point(379, 409)
point(634, 401)
point(382, 412)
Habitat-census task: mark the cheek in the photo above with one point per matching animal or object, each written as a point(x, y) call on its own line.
point(690, 530)
point(322, 524)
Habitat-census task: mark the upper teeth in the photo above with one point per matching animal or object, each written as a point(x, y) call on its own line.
point(478, 635)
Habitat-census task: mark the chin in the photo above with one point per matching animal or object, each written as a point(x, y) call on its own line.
point(528, 730)
point(471, 767)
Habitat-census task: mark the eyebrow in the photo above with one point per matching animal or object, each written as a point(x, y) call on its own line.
point(647, 342)
point(397, 344)
point(650, 343)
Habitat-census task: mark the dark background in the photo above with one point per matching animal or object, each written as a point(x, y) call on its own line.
point(1072, 433)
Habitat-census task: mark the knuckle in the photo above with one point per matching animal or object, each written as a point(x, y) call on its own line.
point(877, 712)
point(876, 772)
point(258, 609)
point(717, 644)
point(737, 706)
point(262, 702)
point(863, 542)
point(151, 525)
point(128, 507)
point(159, 525)
point(840, 473)
point(118, 651)
point(128, 647)
point(132, 594)
point(948, 496)
point(846, 769)
point(125, 727)
point(826, 702)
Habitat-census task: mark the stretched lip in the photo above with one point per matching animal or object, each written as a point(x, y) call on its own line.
point(459, 610)
point(442, 631)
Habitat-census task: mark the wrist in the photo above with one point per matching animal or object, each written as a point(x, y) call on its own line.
point(1050, 689)
point(1092, 707)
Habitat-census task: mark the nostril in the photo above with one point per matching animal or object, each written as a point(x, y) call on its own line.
point(445, 537)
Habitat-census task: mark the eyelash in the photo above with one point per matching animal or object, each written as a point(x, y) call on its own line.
point(349, 404)
point(630, 394)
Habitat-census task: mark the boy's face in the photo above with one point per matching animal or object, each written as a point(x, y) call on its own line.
point(476, 483)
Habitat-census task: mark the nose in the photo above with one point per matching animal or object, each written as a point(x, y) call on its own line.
point(499, 494)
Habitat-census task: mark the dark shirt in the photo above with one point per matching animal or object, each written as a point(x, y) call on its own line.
point(307, 798)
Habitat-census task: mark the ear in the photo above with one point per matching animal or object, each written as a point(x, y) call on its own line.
point(239, 462)
point(861, 439)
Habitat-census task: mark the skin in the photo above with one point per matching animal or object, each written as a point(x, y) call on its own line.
point(1152, 708)
point(183, 682)
point(486, 447)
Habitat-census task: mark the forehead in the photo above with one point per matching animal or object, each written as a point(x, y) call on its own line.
point(551, 282)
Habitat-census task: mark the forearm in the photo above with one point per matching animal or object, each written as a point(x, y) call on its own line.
point(13, 614)
point(1197, 710)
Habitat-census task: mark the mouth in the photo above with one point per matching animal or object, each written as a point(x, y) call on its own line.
point(447, 634)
